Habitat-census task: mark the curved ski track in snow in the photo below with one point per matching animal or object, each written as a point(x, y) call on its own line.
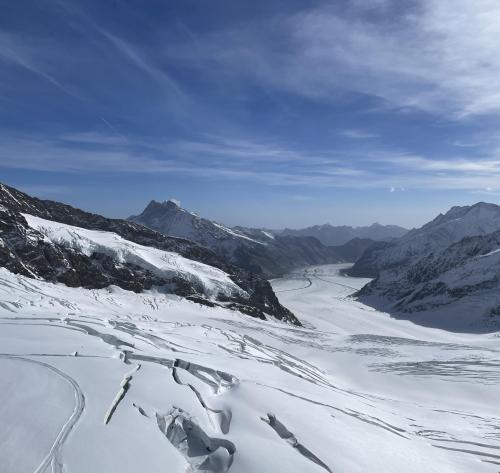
point(54, 456)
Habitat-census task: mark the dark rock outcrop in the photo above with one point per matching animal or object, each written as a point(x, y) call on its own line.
point(26, 251)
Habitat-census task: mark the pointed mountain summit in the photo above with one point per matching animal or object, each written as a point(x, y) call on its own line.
point(253, 249)
point(171, 219)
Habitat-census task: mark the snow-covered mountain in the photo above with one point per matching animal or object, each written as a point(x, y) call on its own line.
point(255, 250)
point(55, 242)
point(109, 363)
point(170, 219)
point(447, 269)
point(338, 235)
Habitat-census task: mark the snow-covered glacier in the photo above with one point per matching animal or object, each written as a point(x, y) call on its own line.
point(111, 380)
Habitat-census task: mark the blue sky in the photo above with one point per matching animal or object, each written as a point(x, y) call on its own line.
point(265, 113)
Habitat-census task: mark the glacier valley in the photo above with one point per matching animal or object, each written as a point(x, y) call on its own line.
point(108, 380)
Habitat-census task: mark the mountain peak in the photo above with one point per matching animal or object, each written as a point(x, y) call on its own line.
point(478, 211)
point(477, 205)
point(155, 206)
point(486, 205)
point(173, 203)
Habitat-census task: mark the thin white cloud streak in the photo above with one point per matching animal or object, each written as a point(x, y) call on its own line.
point(55, 62)
point(14, 52)
point(94, 138)
point(240, 151)
point(139, 59)
point(359, 134)
point(454, 165)
point(83, 22)
point(44, 190)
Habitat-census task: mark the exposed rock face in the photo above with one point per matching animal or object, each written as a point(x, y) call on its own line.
point(15, 200)
point(339, 235)
point(254, 250)
point(450, 266)
point(26, 251)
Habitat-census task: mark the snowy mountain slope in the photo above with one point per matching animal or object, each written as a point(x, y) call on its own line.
point(169, 218)
point(444, 230)
point(251, 249)
point(17, 201)
point(339, 235)
point(440, 269)
point(99, 252)
point(110, 380)
point(214, 282)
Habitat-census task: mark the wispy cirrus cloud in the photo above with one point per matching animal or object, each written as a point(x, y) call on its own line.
point(140, 60)
point(440, 57)
point(272, 164)
point(359, 134)
point(19, 52)
point(88, 62)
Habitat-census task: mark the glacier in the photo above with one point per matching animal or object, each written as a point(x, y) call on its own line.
point(117, 381)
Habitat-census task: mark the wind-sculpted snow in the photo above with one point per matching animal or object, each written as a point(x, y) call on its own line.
point(351, 391)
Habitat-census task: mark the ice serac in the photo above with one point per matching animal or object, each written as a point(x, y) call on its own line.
point(58, 243)
point(446, 273)
point(255, 250)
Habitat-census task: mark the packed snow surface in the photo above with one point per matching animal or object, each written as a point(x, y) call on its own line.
point(108, 380)
point(162, 263)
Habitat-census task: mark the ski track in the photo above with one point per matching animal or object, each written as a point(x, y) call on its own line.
point(54, 456)
point(309, 276)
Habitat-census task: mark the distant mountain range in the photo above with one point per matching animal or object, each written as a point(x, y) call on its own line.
point(48, 240)
point(446, 273)
point(339, 235)
point(257, 250)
